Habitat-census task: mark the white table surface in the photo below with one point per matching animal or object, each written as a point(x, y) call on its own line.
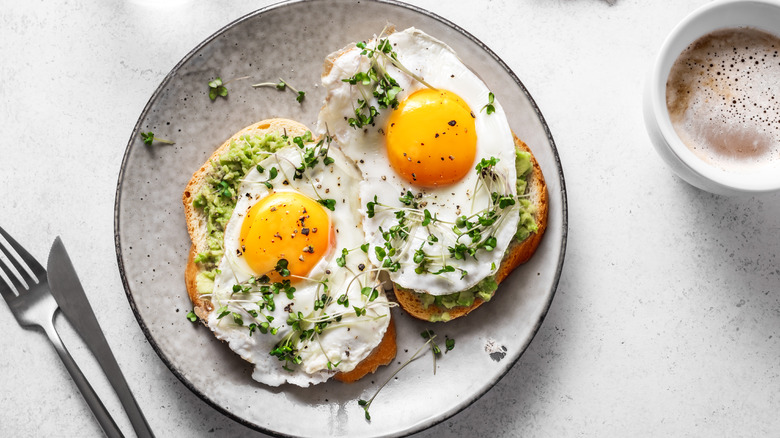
point(667, 317)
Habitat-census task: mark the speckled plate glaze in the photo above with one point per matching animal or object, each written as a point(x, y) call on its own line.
point(291, 40)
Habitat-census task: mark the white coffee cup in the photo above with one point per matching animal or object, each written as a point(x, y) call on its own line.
point(759, 14)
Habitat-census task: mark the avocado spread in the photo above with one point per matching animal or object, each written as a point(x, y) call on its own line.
point(217, 199)
point(485, 288)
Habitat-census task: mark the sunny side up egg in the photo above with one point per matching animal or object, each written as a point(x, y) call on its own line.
point(318, 311)
point(439, 178)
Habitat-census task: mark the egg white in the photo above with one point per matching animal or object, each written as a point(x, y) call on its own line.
point(345, 343)
point(439, 66)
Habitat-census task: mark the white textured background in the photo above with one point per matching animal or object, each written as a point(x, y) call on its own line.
point(667, 317)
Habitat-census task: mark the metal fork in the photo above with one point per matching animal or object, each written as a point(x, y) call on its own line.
point(33, 306)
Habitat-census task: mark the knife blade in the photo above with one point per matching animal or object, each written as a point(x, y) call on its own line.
point(69, 294)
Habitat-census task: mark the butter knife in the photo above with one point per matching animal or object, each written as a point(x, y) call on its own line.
point(67, 291)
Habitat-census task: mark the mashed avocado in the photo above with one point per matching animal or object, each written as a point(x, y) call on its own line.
point(217, 199)
point(527, 224)
point(485, 288)
point(443, 317)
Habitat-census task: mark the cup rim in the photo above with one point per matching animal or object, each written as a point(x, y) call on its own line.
point(764, 180)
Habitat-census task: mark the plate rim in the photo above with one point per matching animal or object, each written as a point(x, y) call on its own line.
point(415, 428)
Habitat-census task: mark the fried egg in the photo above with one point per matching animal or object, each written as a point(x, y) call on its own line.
point(438, 171)
point(294, 294)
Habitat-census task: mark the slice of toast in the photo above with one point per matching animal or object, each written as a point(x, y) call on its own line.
point(382, 354)
point(516, 254)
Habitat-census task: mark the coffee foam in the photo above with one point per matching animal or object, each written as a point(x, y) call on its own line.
point(723, 97)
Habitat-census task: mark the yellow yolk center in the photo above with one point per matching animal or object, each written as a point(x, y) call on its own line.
point(431, 139)
point(285, 225)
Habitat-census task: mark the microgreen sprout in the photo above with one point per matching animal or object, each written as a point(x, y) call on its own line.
point(310, 157)
point(281, 86)
point(489, 108)
point(149, 138)
point(342, 260)
point(224, 189)
point(330, 204)
point(192, 316)
point(273, 172)
point(223, 312)
point(408, 199)
point(217, 88)
point(366, 404)
point(377, 79)
point(435, 350)
point(281, 268)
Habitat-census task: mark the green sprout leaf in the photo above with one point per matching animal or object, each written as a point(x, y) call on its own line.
point(449, 344)
point(380, 253)
point(365, 405)
point(427, 218)
point(281, 268)
point(407, 199)
point(489, 108)
point(149, 138)
point(223, 312)
point(217, 89)
point(370, 208)
point(342, 261)
point(330, 204)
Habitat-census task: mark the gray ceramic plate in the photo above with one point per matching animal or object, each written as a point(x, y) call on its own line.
point(290, 41)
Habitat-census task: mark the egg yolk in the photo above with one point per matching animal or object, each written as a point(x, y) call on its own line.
point(431, 139)
point(285, 225)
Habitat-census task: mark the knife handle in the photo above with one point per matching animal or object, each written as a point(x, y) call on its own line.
point(98, 409)
point(105, 358)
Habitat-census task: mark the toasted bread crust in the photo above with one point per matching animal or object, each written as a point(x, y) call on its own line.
point(517, 253)
point(382, 354)
point(521, 252)
point(201, 307)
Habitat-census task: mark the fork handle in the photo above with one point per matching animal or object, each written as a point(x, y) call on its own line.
point(101, 414)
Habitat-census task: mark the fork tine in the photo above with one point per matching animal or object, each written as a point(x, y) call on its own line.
point(5, 285)
point(35, 267)
point(20, 278)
